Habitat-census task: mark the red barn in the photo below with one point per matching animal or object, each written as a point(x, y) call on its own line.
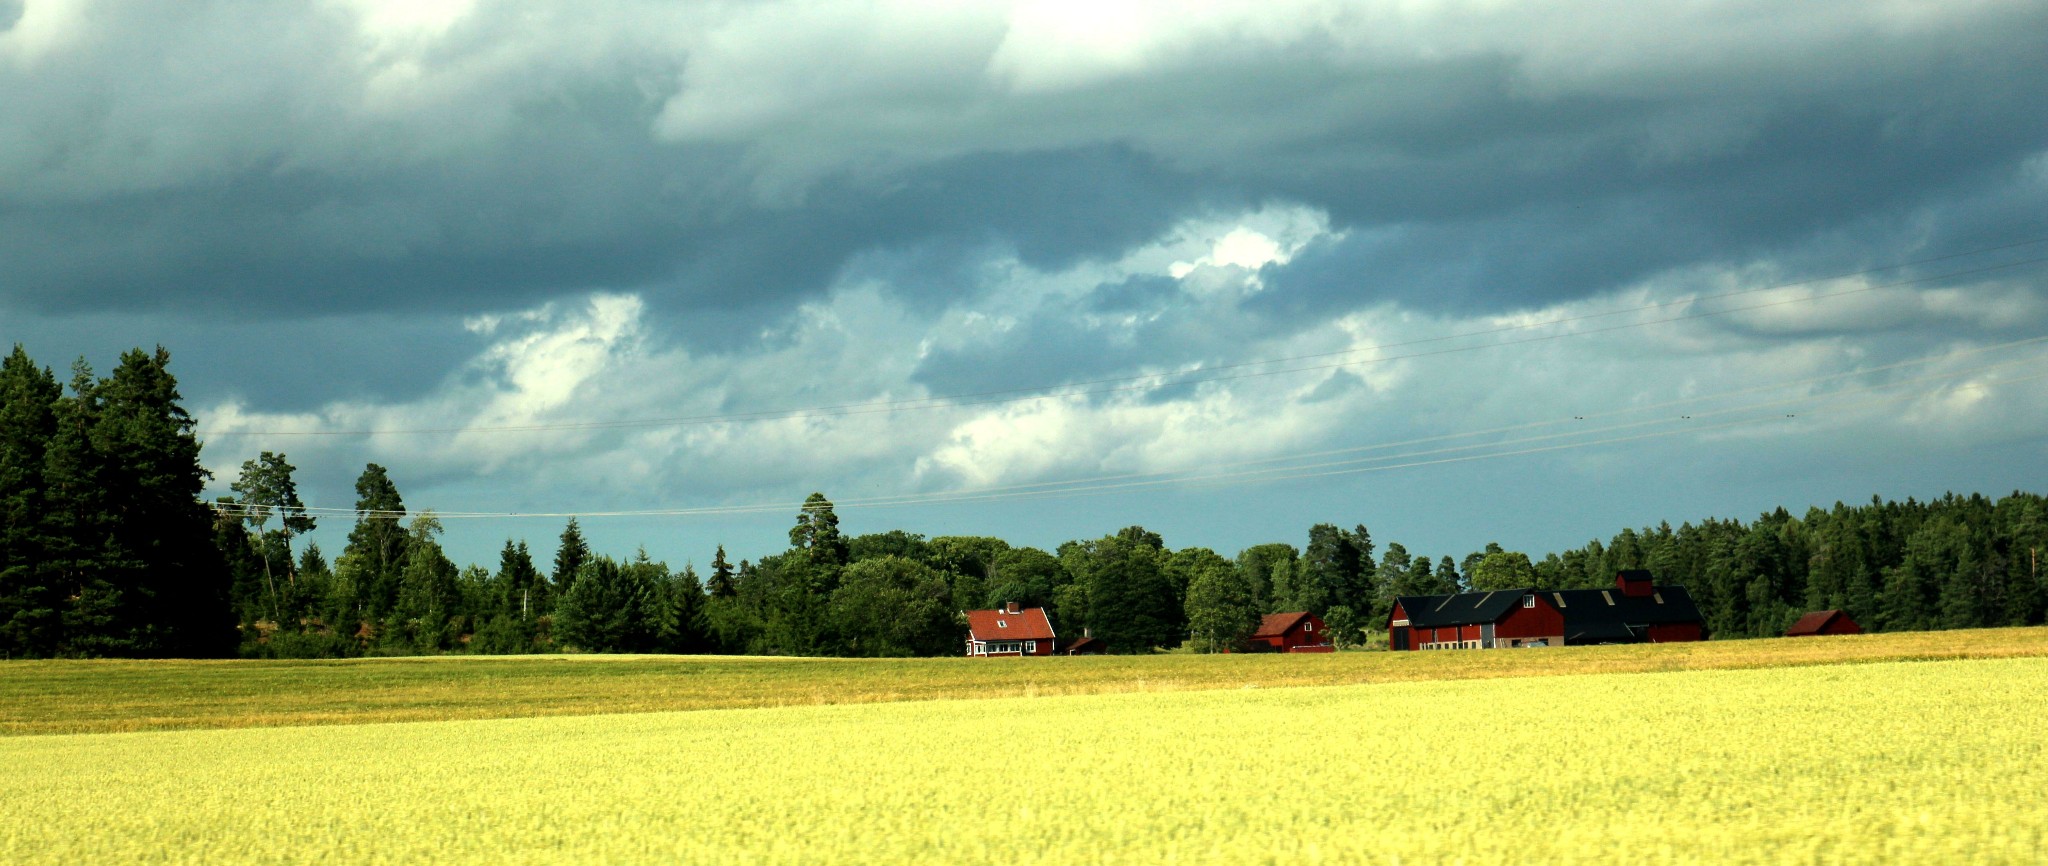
point(1824, 622)
point(1298, 632)
point(1475, 620)
point(1009, 632)
point(1634, 611)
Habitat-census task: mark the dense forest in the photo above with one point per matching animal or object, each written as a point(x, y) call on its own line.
point(106, 549)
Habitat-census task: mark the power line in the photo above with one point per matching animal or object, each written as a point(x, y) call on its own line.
point(1206, 374)
point(1091, 485)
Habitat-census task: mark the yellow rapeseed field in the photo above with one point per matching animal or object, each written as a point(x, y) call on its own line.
point(1908, 762)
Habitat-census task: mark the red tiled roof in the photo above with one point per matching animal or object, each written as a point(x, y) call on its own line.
point(1812, 623)
point(1277, 624)
point(1027, 624)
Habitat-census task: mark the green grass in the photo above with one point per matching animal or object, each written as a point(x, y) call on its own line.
point(1926, 763)
point(54, 697)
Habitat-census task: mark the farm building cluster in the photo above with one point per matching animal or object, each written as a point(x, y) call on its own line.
point(1027, 631)
point(1634, 611)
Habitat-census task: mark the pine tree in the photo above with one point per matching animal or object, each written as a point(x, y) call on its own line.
point(166, 590)
point(377, 544)
point(265, 488)
point(722, 583)
point(425, 617)
point(682, 628)
point(816, 533)
point(30, 602)
point(570, 556)
point(526, 594)
point(606, 609)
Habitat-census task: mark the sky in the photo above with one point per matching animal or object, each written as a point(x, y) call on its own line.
point(1462, 272)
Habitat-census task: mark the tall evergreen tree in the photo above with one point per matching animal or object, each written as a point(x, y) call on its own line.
point(681, 626)
point(30, 599)
point(526, 594)
point(377, 545)
point(570, 555)
point(427, 614)
point(606, 609)
point(721, 584)
point(166, 588)
point(816, 533)
point(265, 489)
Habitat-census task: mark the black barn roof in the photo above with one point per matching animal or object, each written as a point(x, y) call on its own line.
point(1595, 615)
point(1465, 608)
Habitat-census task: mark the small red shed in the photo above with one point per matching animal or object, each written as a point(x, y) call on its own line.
point(1009, 632)
point(1297, 632)
point(1822, 622)
point(1086, 645)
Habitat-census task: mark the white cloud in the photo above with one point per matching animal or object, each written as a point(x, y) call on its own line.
point(597, 360)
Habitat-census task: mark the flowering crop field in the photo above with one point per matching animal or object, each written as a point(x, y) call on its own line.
point(1900, 762)
point(110, 695)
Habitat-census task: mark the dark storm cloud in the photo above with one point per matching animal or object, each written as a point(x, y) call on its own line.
point(1479, 227)
point(925, 237)
point(261, 188)
point(283, 364)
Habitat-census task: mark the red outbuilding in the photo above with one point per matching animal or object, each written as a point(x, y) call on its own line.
point(1297, 632)
point(1822, 622)
point(1009, 632)
point(1085, 645)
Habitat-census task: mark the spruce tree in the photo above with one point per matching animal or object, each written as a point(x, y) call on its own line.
point(30, 601)
point(526, 594)
point(570, 556)
point(606, 609)
point(139, 550)
point(722, 584)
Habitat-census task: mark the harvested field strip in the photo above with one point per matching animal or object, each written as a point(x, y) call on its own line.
point(49, 697)
point(1940, 762)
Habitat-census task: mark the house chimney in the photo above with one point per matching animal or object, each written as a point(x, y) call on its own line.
point(1009, 607)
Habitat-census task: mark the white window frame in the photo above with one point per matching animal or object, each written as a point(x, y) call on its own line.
point(1031, 647)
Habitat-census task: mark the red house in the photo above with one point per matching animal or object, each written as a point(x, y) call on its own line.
point(1009, 632)
point(1298, 632)
point(1822, 622)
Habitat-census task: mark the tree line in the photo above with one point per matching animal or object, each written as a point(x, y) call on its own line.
point(107, 550)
